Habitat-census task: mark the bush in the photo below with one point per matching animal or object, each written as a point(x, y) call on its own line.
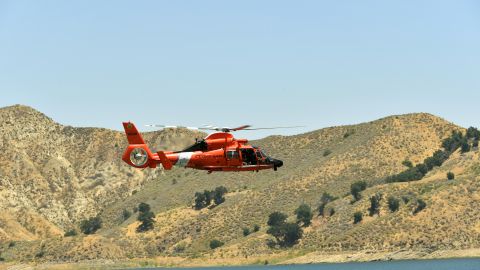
point(473, 133)
point(407, 163)
point(304, 215)
point(218, 194)
point(256, 228)
point(324, 200)
point(126, 214)
point(357, 217)
point(374, 205)
point(276, 219)
point(143, 207)
point(393, 204)
point(199, 200)
point(246, 232)
point(327, 152)
point(332, 211)
point(450, 176)
point(91, 225)
point(465, 146)
point(421, 204)
point(208, 197)
point(146, 217)
point(475, 143)
point(286, 234)
point(356, 188)
point(69, 233)
point(215, 244)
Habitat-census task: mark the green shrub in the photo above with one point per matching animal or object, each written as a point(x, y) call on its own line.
point(332, 211)
point(393, 204)
point(356, 188)
point(357, 217)
point(215, 244)
point(146, 217)
point(256, 228)
point(126, 214)
point(246, 232)
point(450, 176)
point(421, 204)
point(91, 225)
point(276, 219)
point(375, 205)
point(218, 194)
point(304, 214)
point(327, 152)
point(199, 200)
point(324, 200)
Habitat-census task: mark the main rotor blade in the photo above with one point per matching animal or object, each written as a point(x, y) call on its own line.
point(260, 128)
point(166, 126)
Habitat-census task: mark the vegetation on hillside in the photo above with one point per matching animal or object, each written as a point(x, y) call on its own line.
point(91, 225)
point(286, 233)
point(451, 144)
point(204, 199)
point(146, 218)
point(356, 189)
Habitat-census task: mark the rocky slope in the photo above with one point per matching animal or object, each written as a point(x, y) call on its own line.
point(53, 176)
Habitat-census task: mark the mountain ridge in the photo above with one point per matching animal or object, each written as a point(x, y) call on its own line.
point(83, 176)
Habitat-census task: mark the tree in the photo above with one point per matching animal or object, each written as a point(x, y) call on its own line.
point(292, 232)
point(208, 197)
point(91, 225)
point(276, 219)
point(374, 205)
point(146, 217)
point(215, 244)
point(246, 231)
point(356, 188)
point(450, 176)
point(304, 214)
point(218, 194)
point(357, 217)
point(393, 204)
point(143, 207)
point(465, 146)
point(199, 200)
point(472, 133)
point(421, 204)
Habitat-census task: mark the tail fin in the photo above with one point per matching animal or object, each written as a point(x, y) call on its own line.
point(143, 157)
point(132, 133)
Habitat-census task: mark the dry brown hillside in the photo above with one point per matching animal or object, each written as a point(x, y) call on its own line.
point(53, 176)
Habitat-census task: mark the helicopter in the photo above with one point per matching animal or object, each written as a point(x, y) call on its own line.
point(219, 151)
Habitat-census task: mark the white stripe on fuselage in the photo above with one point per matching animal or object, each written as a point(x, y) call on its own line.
point(183, 159)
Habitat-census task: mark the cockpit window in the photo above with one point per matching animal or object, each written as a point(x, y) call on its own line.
point(259, 154)
point(232, 154)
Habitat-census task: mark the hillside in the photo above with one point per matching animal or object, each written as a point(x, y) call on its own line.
point(53, 176)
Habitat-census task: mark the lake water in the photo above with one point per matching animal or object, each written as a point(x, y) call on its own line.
point(453, 264)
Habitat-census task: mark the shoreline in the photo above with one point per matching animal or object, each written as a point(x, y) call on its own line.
point(275, 260)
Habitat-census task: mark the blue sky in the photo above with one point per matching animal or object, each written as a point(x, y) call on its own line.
point(265, 63)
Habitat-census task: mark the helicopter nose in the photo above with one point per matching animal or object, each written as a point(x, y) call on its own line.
point(277, 162)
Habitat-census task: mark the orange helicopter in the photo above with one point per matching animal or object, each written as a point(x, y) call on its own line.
point(219, 151)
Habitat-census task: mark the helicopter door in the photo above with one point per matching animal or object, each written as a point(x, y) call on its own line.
point(233, 158)
point(248, 157)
